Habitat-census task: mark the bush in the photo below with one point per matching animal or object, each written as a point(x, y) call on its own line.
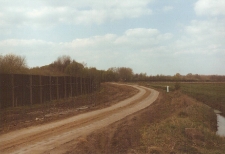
point(177, 86)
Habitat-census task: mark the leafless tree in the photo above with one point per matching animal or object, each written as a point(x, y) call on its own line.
point(62, 62)
point(12, 64)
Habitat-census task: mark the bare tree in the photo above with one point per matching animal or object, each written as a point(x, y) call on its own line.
point(61, 63)
point(12, 64)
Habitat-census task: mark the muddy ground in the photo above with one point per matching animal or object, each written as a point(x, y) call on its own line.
point(21, 117)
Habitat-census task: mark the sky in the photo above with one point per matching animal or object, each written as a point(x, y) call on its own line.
point(150, 36)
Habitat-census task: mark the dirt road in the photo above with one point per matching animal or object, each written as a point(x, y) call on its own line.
point(56, 137)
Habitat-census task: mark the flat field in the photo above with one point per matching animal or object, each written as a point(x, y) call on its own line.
point(212, 94)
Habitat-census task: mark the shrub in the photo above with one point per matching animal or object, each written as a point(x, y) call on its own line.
point(177, 86)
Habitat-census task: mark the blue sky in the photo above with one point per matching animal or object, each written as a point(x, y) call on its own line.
point(150, 36)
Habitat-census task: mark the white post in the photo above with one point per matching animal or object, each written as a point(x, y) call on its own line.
point(167, 88)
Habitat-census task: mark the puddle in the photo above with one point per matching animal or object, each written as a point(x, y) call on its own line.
point(220, 124)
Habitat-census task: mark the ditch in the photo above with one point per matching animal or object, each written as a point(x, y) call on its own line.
point(220, 124)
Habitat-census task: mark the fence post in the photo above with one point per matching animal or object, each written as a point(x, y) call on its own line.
point(84, 87)
point(50, 88)
point(99, 85)
point(40, 84)
point(13, 95)
point(81, 84)
point(167, 88)
point(65, 87)
point(57, 85)
point(71, 86)
point(31, 99)
point(89, 86)
point(76, 86)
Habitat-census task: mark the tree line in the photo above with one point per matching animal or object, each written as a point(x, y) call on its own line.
point(65, 65)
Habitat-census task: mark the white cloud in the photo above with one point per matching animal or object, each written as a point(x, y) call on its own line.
point(139, 48)
point(200, 49)
point(133, 40)
point(15, 42)
point(95, 50)
point(142, 38)
point(205, 38)
point(210, 7)
point(144, 50)
point(200, 36)
point(86, 12)
point(34, 50)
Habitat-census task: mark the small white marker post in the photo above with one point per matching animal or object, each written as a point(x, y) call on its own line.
point(167, 88)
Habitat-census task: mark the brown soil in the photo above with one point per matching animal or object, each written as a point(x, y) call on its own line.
point(17, 118)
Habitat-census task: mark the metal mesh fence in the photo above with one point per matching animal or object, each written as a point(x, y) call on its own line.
point(22, 90)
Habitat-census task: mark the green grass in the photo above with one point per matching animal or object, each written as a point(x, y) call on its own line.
point(212, 94)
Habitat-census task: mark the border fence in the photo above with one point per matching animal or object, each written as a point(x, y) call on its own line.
point(23, 90)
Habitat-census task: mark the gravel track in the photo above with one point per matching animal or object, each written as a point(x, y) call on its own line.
point(55, 137)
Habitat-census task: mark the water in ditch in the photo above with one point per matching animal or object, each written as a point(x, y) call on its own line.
point(220, 124)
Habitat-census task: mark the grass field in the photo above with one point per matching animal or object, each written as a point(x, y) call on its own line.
point(212, 94)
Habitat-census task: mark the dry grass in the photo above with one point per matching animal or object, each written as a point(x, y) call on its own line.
point(170, 135)
point(174, 123)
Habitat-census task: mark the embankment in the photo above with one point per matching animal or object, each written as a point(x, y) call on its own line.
point(175, 123)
